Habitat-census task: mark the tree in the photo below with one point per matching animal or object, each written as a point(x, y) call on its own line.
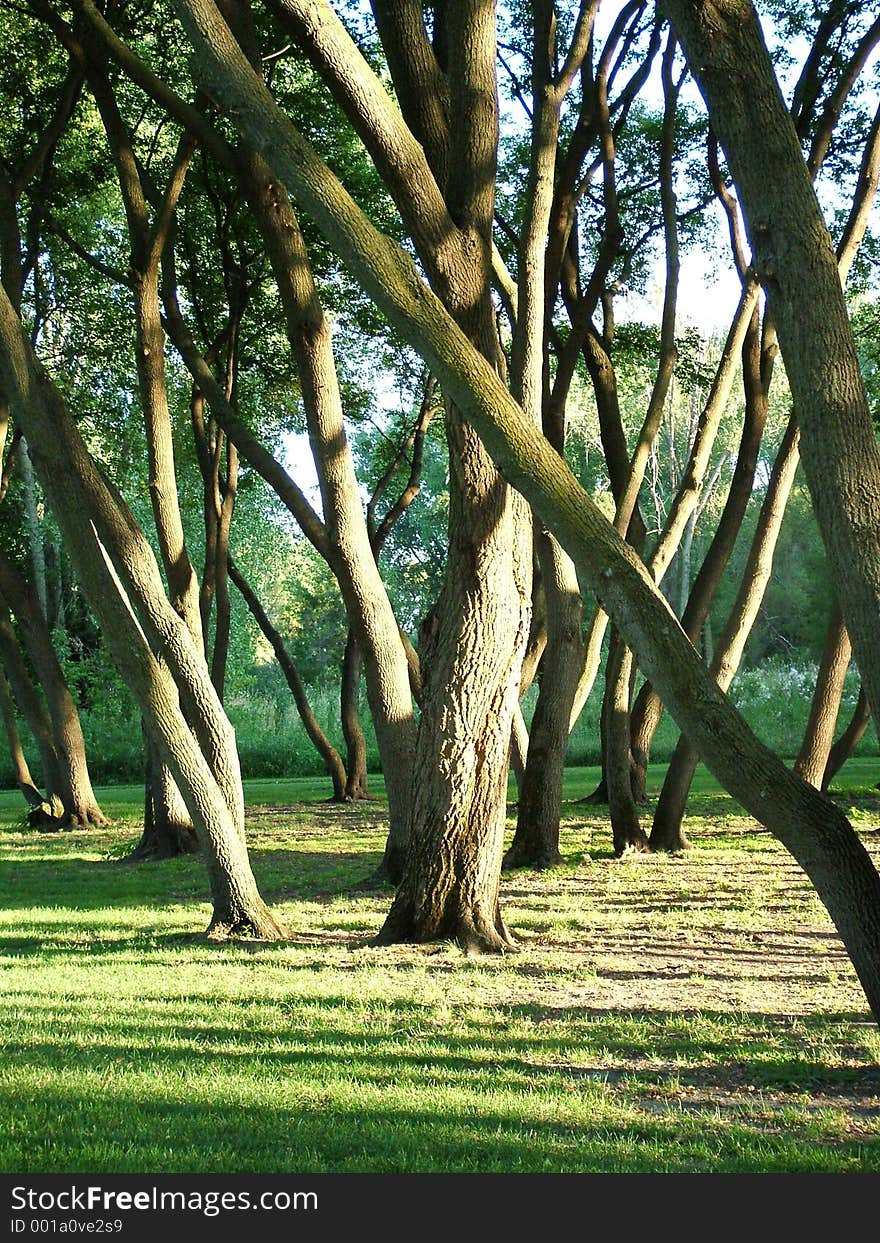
point(813, 829)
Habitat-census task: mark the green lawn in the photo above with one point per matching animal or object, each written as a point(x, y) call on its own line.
point(662, 1014)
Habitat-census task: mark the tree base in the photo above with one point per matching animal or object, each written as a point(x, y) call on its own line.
point(259, 925)
point(393, 862)
point(176, 841)
point(472, 931)
point(672, 842)
point(598, 798)
point(632, 843)
point(525, 856)
point(45, 820)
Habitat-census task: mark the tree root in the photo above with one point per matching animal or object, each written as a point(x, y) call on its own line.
point(242, 926)
point(523, 857)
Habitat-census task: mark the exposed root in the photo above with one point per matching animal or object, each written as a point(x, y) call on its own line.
point(257, 926)
point(523, 857)
point(598, 798)
point(472, 931)
point(633, 843)
point(669, 843)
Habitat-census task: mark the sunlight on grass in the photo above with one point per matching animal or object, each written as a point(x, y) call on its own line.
point(670, 1014)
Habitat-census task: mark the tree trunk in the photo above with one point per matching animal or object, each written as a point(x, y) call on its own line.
point(536, 840)
point(519, 746)
point(168, 828)
point(356, 783)
point(320, 741)
point(80, 805)
point(223, 624)
point(648, 710)
point(667, 832)
point(23, 778)
point(50, 812)
point(848, 740)
point(626, 832)
point(118, 571)
point(819, 733)
point(470, 679)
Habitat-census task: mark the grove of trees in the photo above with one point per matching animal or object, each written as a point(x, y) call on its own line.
point(429, 241)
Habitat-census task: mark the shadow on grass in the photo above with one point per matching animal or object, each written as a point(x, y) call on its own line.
point(333, 1095)
point(89, 884)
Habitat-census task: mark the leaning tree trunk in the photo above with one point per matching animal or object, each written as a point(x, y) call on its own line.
point(119, 574)
point(168, 828)
point(667, 832)
point(819, 733)
point(356, 782)
point(848, 740)
point(80, 805)
point(21, 772)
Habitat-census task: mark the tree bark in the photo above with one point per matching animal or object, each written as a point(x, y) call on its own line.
point(626, 832)
point(356, 782)
point(848, 740)
point(813, 756)
point(81, 808)
point(23, 778)
point(667, 832)
point(168, 828)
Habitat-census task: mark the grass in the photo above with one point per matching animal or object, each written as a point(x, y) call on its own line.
point(663, 1014)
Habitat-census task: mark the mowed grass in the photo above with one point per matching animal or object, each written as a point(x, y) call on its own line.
point(663, 1014)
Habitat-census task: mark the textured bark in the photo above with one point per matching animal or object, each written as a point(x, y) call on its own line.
point(168, 828)
point(626, 832)
point(795, 260)
point(23, 778)
point(470, 671)
point(815, 831)
point(75, 789)
point(846, 743)
point(648, 709)
point(667, 832)
point(34, 712)
point(536, 839)
point(119, 574)
point(319, 739)
point(356, 782)
point(819, 733)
